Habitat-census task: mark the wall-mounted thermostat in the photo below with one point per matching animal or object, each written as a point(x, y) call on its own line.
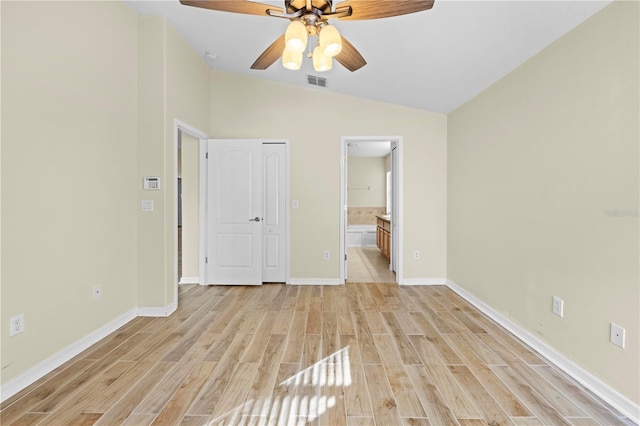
point(151, 182)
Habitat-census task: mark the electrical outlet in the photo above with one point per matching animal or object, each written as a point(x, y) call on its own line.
point(97, 292)
point(16, 324)
point(617, 335)
point(327, 255)
point(558, 306)
point(416, 254)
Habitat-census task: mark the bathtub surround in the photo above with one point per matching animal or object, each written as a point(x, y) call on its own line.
point(363, 215)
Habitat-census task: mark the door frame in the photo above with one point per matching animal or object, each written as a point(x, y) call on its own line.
point(397, 236)
point(178, 128)
point(203, 207)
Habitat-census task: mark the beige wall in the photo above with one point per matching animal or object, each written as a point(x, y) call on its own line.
point(174, 84)
point(68, 173)
point(366, 182)
point(187, 91)
point(90, 93)
point(278, 110)
point(537, 164)
point(151, 142)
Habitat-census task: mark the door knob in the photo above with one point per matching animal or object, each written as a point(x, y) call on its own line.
point(256, 219)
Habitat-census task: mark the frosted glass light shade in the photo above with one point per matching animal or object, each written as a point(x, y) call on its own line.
point(296, 37)
point(291, 60)
point(330, 41)
point(321, 62)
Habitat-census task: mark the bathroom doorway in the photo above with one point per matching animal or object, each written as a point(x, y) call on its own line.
point(370, 209)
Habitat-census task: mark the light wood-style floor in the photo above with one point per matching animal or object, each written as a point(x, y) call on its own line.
point(359, 354)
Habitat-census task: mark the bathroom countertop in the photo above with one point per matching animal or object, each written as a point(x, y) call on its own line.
point(384, 217)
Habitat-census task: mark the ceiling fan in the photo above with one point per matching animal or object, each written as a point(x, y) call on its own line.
point(310, 18)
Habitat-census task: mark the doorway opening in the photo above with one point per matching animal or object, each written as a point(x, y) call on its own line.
point(186, 134)
point(188, 195)
point(371, 209)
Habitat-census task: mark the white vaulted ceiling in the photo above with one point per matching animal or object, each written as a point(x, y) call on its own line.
point(434, 60)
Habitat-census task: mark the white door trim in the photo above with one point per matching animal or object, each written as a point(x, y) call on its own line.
point(178, 127)
point(202, 214)
point(344, 140)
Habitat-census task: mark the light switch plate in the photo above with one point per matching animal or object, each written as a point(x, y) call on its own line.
point(147, 205)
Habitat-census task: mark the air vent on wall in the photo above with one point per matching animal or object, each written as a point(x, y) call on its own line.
point(314, 80)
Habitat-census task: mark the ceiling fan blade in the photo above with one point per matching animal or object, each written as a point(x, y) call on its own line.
point(349, 57)
point(375, 9)
point(270, 55)
point(236, 6)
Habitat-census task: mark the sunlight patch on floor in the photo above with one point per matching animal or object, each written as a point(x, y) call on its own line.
point(306, 395)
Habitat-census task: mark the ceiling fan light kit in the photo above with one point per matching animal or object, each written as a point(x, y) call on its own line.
point(311, 17)
point(321, 62)
point(296, 37)
point(330, 41)
point(291, 60)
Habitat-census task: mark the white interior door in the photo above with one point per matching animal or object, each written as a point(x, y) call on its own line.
point(274, 162)
point(234, 212)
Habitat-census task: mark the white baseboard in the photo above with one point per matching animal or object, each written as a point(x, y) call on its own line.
point(591, 382)
point(189, 280)
point(30, 376)
point(314, 281)
point(424, 281)
point(160, 311)
point(41, 369)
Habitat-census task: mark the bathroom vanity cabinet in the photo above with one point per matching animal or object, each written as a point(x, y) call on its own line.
point(383, 235)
